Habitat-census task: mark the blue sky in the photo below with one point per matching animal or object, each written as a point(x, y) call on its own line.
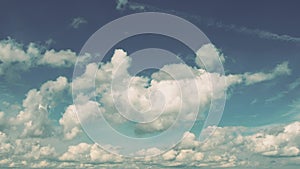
point(258, 43)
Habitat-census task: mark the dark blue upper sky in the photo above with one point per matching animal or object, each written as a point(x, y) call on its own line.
point(50, 19)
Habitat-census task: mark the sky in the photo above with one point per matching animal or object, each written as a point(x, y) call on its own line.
point(53, 92)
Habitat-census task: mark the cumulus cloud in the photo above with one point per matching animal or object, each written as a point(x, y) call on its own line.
point(31, 139)
point(142, 98)
point(84, 152)
point(227, 147)
point(207, 53)
point(235, 147)
point(70, 123)
point(13, 58)
point(63, 58)
point(24, 153)
point(34, 118)
point(16, 58)
point(284, 142)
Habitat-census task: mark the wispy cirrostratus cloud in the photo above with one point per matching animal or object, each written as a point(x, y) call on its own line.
point(77, 22)
point(210, 22)
point(263, 34)
point(290, 88)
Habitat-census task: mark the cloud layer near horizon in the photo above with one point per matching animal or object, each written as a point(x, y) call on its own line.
point(31, 138)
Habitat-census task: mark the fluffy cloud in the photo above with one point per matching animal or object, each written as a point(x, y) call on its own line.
point(235, 147)
point(63, 58)
point(22, 153)
point(16, 58)
point(227, 147)
point(13, 58)
point(70, 123)
point(25, 140)
point(34, 117)
point(84, 152)
point(284, 142)
point(142, 98)
point(208, 53)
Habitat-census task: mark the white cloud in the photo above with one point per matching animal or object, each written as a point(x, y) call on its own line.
point(34, 118)
point(70, 123)
point(5, 146)
point(84, 152)
point(62, 58)
point(280, 69)
point(26, 142)
point(13, 58)
point(227, 147)
point(2, 120)
point(77, 22)
point(283, 143)
point(78, 153)
point(208, 53)
point(24, 153)
point(16, 58)
point(144, 98)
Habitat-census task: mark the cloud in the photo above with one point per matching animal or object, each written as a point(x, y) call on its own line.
point(228, 147)
point(161, 84)
point(63, 58)
point(70, 123)
point(77, 22)
point(30, 138)
point(280, 69)
point(121, 4)
point(84, 152)
point(290, 87)
point(209, 22)
point(294, 84)
point(284, 142)
point(293, 113)
point(2, 120)
point(208, 53)
point(263, 34)
point(49, 42)
point(13, 58)
point(34, 119)
point(241, 147)
point(24, 153)
point(16, 58)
